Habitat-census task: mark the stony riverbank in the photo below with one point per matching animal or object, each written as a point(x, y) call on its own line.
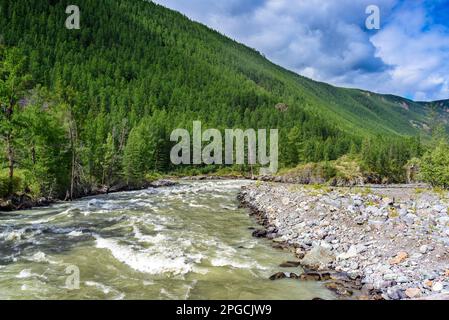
point(393, 243)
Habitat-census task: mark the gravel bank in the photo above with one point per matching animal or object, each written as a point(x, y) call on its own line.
point(392, 242)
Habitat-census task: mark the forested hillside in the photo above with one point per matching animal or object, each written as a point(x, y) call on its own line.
point(96, 106)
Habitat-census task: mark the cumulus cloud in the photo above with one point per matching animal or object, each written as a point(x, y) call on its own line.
point(419, 54)
point(327, 40)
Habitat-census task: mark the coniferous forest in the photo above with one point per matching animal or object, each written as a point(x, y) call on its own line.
point(83, 109)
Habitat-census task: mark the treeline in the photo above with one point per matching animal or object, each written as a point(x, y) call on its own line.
point(95, 107)
point(55, 147)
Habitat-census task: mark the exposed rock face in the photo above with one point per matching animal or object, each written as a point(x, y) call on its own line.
point(394, 241)
point(281, 107)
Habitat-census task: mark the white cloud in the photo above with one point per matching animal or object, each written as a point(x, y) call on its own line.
point(419, 56)
point(327, 40)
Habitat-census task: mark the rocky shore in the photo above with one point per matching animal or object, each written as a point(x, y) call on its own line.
point(387, 243)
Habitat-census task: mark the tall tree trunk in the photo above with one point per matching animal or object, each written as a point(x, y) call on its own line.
point(10, 155)
point(10, 148)
point(73, 143)
point(72, 176)
point(33, 155)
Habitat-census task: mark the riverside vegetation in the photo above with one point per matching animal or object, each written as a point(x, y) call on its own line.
point(88, 110)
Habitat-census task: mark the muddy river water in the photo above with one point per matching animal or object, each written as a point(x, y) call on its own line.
point(189, 241)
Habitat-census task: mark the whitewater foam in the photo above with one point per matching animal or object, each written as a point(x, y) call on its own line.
point(25, 273)
point(75, 234)
point(146, 260)
point(14, 236)
point(39, 257)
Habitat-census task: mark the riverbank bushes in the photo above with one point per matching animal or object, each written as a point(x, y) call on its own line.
point(434, 165)
point(17, 183)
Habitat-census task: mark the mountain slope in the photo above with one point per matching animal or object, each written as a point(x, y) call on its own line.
point(165, 32)
point(136, 70)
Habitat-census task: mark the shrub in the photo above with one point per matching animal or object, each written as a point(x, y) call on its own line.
point(17, 184)
point(435, 166)
point(343, 171)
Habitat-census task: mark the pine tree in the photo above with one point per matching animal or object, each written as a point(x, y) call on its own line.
point(108, 160)
point(134, 158)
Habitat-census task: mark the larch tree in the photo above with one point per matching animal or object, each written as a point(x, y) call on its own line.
point(14, 81)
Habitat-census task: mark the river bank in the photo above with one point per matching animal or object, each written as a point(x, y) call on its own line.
point(391, 243)
point(26, 202)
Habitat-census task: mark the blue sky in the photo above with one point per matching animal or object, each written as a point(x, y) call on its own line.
point(327, 40)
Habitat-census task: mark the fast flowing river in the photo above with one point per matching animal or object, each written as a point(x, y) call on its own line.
point(185, 242)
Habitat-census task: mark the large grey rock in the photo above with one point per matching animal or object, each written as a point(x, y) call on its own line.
point(410, 218)
point(317, 258)
point(439, 208)
point(393, 294)
point(351, 253)
point(163, 183)
point(437, 287)
point(423, 249)
point(443, 220)
point(372, 210)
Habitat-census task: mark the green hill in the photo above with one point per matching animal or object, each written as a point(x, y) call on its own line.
point(135, 70)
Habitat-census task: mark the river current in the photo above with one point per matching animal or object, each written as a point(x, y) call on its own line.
point(189, 241)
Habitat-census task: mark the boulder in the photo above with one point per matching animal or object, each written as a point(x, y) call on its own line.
point(290, 264)
point(278, 276)
point(413, 292)
point(352, 253)
point(6, 205)
point(339, 289)
point(400, 257)
point(260, 233)
point(318, 258)
point(315, 276)
point(437, 287)
point(163, 183)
